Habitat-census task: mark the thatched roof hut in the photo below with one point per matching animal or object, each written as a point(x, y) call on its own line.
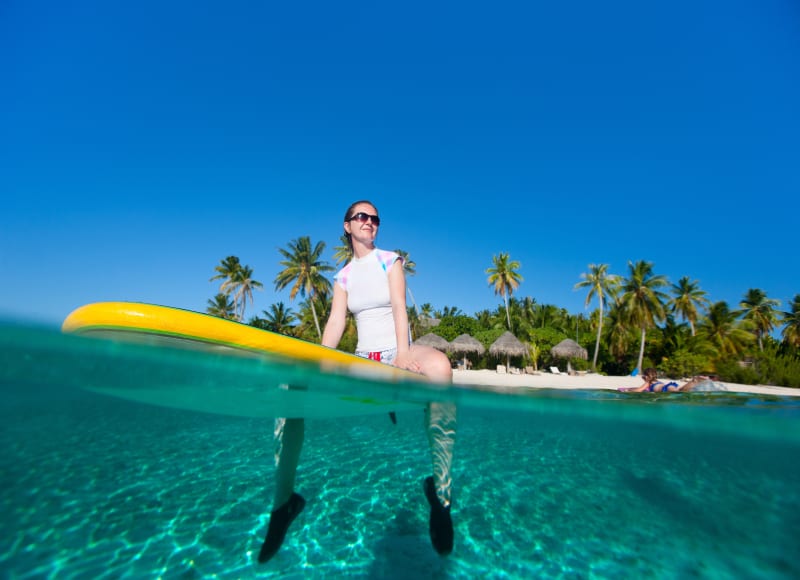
point(435, 341)
point(568, 348)
point(508, 345)
point(465, 344)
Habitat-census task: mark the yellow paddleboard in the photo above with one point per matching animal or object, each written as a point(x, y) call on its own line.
point(176, 328)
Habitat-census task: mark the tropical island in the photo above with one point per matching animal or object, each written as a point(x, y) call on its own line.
point(640, 319)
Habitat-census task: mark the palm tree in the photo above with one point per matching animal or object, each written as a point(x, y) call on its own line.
point(243, 283)
point(642, 303)
point(304, 270)
point(237, 280)
point(410, 269)
point(674, 335)
point(505, 278)
point(307, 317)
point(600, 284)
point(720, 328)
point(413, 322)
point(791, 320)
point(687, 298)
point(226, 271)
point(760, 311)
point(526, 316)
point(618, 333)
point(484, 318)
point(448, 311)
point(222, 306)
point(528, 308)
point(279, 319)
point(343, 252)
point(551, 316)
point(425, 318)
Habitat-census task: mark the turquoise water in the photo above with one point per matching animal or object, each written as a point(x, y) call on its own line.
point(547, 484)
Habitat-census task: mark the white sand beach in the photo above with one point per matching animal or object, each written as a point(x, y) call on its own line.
point(547, 380)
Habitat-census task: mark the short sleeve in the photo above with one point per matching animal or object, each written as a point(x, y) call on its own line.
point(387, 259)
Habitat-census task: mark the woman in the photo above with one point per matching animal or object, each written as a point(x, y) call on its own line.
point(653, 385)
point(372, 286)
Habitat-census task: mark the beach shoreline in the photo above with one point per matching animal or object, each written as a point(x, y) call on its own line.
point(547, 380)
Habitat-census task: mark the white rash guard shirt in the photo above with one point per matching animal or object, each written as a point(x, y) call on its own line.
point(366, 281)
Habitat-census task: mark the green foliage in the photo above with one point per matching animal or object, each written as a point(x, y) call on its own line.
point(261, 323)
point(783, 371)
point(488, 336)
point(579, 364)
point(535, 353)
point(619, 367)
point(303, 271)
point(789, 350)
point(453, 326)
point(732, 371)
point(504, 278)
point(545, 339)
point(684, 363)
point(648, 362)
point(769, 367)
point(349, 340)
point(237, 280)
point(791, 321)
point(777, 369)
point(222, 306)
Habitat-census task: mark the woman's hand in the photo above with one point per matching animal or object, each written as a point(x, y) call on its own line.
point(405, 361)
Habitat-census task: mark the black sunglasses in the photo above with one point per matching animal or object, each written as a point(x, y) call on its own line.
point(363, 217)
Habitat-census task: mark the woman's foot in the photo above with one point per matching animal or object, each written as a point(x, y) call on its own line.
point(441, 525)
point(279, 522)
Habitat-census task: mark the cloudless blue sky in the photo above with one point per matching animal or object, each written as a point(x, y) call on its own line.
point(142, 142)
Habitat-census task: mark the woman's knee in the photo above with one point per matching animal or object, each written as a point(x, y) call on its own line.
point(437, 367)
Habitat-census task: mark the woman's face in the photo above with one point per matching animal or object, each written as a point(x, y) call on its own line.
point(361, 225)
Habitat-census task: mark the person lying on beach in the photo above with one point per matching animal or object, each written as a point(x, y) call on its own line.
point(653, 385)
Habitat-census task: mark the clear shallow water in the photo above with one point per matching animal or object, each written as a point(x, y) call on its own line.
point(548, 484)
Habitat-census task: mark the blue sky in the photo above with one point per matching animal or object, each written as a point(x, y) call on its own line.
point(142, 142)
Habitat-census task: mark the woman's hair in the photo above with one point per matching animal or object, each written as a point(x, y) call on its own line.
point(349, 213)
point(650, 373)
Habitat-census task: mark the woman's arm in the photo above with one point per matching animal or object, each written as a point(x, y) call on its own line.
point(397, 296)
point(641, 389)
point(334, 328)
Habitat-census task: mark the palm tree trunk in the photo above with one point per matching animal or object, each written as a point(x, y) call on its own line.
point(414, 302)
point(641, 350)
point(237, 303)
point(508, 315)
point(316, 319)
point(597, 340)
point(242, 303)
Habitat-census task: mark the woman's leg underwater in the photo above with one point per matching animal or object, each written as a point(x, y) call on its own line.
point(440, 427)
point(289, 435)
